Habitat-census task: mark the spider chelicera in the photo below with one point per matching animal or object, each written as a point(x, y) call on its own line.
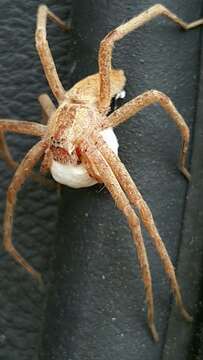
point(79, 147)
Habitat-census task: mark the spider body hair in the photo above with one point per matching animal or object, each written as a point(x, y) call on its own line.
point(76, 118)
point(79, 147)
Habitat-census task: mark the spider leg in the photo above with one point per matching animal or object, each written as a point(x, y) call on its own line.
point(107, 44)
point(136, 199)
point(44, 50)
point(5, 153)
point(108, 178)
point(22, 127)
point(22, 172)
point(148, 98)
point(48, 107)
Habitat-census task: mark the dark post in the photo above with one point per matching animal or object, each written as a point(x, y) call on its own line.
point(96, 307)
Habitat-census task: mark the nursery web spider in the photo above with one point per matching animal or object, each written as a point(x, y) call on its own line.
point(80, 148)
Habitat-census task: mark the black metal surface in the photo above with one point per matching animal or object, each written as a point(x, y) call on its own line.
point(96, 307)
point(21, 81)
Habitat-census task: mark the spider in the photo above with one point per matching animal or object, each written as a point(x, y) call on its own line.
point(80, 149)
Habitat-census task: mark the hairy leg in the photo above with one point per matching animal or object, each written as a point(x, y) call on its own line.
point(148, 98)
point(5, 153)
point(108, 178)
point(44, 50)
point(19, 178)
point(107, 44)
point(136, 199)
point(48, 107)
point(22, 127)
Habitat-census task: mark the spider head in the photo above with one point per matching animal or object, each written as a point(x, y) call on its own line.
point(71, 122)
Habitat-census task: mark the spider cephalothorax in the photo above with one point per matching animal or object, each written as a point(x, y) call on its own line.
point(74, 120)
point(79, 147)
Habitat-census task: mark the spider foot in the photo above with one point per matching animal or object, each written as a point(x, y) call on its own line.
point(186, 173)
point(38, 277)
point(154, 332)
point(186, 315)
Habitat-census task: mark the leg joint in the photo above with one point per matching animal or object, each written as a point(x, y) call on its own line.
point(159, 96)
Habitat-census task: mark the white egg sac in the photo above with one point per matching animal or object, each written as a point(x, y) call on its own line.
point(76, 176)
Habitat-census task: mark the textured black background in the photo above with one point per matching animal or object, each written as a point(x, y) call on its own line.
point(21, 81)
point(96, 306)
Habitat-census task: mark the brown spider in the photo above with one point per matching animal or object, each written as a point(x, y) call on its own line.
point(80, 148)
